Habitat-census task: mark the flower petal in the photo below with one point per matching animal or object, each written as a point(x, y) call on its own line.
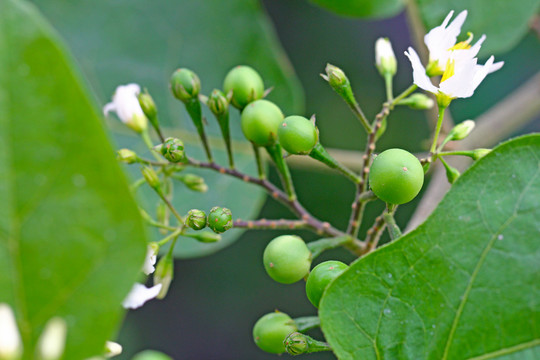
point(461, 84)
point(441, 38)
point(140, 294)
point(10, 339)
point(419, 72)
point(149, 261)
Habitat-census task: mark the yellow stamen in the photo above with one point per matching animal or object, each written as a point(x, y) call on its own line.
point(449, 71)
point(462, 45)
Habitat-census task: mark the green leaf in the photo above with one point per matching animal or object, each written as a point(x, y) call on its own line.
point(362, 8)
point(464, 285)
point(504, 22)
point(71, 242)
point(209, 37)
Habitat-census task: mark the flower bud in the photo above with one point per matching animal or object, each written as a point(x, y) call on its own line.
point(336, 77)
point(127, 107)
point(185, 84)
point(194, 182)
point(461, 130)
point(452, 174)
point(150, 176)
point(148, 105)
point(385, 60)
point(10, 339)
point(127, 156)
point(218, 103)
point(480, 153)
point(164, 274)
point(112, 349)
point(196, 219)
point(220, 219)
point(418, 101)
point(162, 216)
point(296, 344)
point(206, 237)
point(173, 150)
point(52, 340)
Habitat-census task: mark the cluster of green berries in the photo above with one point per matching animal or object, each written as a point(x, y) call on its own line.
point(287, 259)
point(219, 219)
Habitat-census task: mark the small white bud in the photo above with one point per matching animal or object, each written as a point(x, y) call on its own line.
point(10, 339)
point(461, 130)
point(140, 294)
point(385, 60)
point(112, 349)
point(53, 339)
point(126, 105)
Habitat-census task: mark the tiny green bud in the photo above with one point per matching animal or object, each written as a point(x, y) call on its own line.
point(164, 274)
point(194, 182)
point(173, 150)
point(220, 219)
point(218, 103)
point(336, 77)
point(245, 84)
point(452, 173)
point(196, 219)
point(148, 105)
point(185, 84)
point(461, 130)
point(296, 343)
point(206, 237)
point(418, 101)
point(151, 176)
point(480, 153)
point(127, 156)
point(385, 60)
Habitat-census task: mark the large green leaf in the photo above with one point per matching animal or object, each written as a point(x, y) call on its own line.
point(464, 285)
point(362, 8)
point(504, 22)
point(71, 242)
point(141, 41)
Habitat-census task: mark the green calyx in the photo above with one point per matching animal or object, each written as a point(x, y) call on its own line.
point(298, 135)
point(320, 277)
point(196, 219)
point(260, 122)
point(220, 219)
point(185, 84)
point(287, 259)
point(396, 176)
point(271, 330)
point(245, 84)
point(173, 150)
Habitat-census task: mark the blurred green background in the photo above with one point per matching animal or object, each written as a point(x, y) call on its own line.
point(214, 301)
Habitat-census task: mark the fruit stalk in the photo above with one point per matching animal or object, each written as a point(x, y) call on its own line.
point(319, 153)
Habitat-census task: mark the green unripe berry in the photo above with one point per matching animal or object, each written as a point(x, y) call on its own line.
point(287, 259)
point(396, 176)
point(220, 219)
point(260, 122)
point(151, 355)
point(246, 85)
point(173, 150)
point(298, 135)
point(196, 219)
point(185, 84)
point(271, 330)
point(320, 277)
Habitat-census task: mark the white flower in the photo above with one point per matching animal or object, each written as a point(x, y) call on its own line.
point(112, 349)
point(385, 60)
point(460, 78)
point(150, 260)
point(53, 339)
point(126, 105)
point(10, 339)
point(442, 46)
point(140, 294)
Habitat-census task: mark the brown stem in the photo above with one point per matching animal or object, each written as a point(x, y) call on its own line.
point(374, 234)
point(271, 224)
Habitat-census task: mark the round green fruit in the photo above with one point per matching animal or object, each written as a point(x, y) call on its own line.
point(260, 122)
point(396, 176)
point(151, 355)
point(298, 135)
point(246, 85)
point(320, 277)
point(287, 259)
point(271, 330)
